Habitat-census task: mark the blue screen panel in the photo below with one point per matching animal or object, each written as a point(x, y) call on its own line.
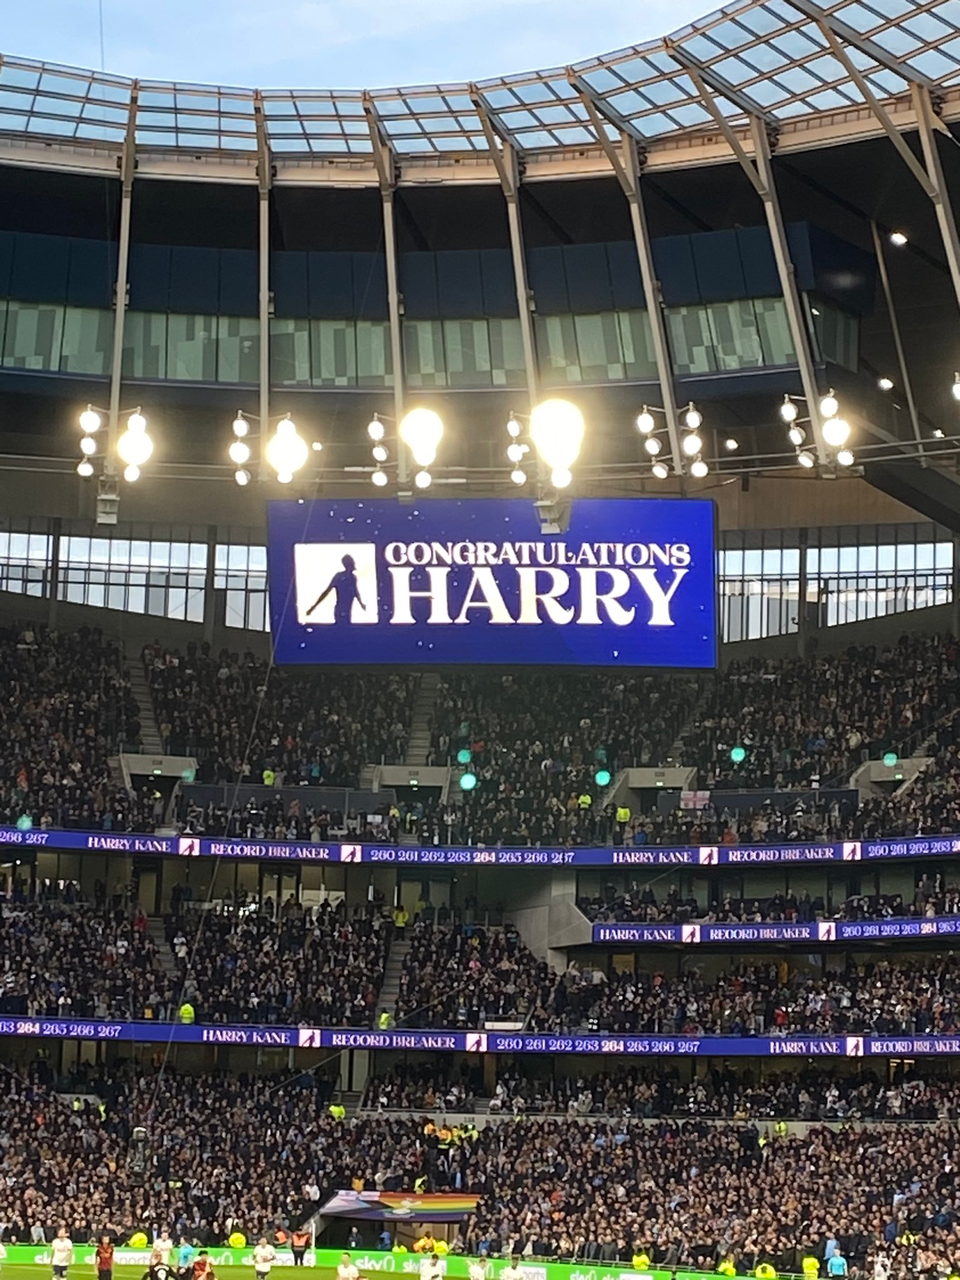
point(630, 582)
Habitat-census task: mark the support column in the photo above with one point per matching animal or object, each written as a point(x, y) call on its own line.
point(654, 297)
point(395, 312)
point(802, 625)
point(897, 341)
point(54, 527)
point(386, 165)
point(209, 577)
point(128, 164)
point(264, 299)
point(928, 122)
point(796, 315)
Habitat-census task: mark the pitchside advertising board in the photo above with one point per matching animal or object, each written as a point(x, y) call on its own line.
point(628, 582)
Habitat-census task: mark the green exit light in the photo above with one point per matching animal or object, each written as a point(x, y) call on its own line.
point(738, 755)
point(24, 822)
point(889, 759)
point(468, 781)
point(602, 777)
point(464, 756)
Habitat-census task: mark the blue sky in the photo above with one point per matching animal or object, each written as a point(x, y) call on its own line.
point(332, 43)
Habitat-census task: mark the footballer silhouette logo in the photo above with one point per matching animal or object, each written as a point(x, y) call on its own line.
point(336, 583)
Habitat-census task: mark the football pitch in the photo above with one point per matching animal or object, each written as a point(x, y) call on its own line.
point(128, 1271)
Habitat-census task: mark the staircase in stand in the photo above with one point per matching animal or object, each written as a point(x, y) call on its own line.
point(418, 743)
point(391, 977)
point(149, 729)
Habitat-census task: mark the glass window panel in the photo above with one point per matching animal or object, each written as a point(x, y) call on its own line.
point(791, 561)
point(906, 556)
point(598, 346)
point(467, 346)
point(736, 338)
point(87, 342)
point(829, 559)
point(868, 559)
point(238, 349)
point(424, 363)
point(691, 340)
point(848, 559)
point(924, 555)
point(507, 364)
point(557, 349)
point(32, 336)
point(191, 348)
point(752, 563)
point(774, 330)
point(334, 353)
point(145, 345)
point(944, 555)
point(374, 355)
point(290, 352)
point(636, 343)
point(886, 557)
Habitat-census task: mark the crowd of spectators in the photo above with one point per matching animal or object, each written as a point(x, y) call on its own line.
point(322, 967)
point(645, 1093)
point(246, 720)
point(634, 904)
point(807, 721)
point(65, 709)
point(536, 744)
point(284, 817)
point(67, 959)
point(252, 1154)
point(917, 995)
point(467, 976)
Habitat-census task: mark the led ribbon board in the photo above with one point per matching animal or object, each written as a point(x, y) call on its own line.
point(628, 582)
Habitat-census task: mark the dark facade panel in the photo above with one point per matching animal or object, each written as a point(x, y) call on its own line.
point(625, 280)
point(673, 261)
point(92, 273)
point(330, 285)
point(149, 273)
point(588, 278)
point(40, 268)
point(288, 280)
point(716, 258)
point(459, 284)
point(418, 284)
point(498, 283)
point(547, 279)
point(194, 280)
point(239, 282)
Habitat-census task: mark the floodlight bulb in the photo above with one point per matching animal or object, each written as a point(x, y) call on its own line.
point(829, 405)
point(88, 446)
point(136, 422)
point(885, 384)
point(898, 238)
point(379, 478)
point(845, 458)
point(375, 429)
point(89, 420)
point(788, 410)
point(242, 476)
point(514, 453)
point(661, 470)
point(731, 445)
point(557, 428)
point(379, 453)
point(134, 446)
point(286, 450)
point(698, 469)
point(518, 476)
point(836, 432)
point(421, 430)
point(423, 479)
point(131, 474)
point(560, 477)
point(645, 423)
point(796, 435)
point(240, 426)
point(513, 428)
point(239, 452)
point(692, 444)
point(84, 468)
point(652, 445)
point(805, 458)
point(956, 386)
point(693, 418)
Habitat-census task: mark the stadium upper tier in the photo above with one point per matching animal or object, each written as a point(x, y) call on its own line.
point(767, 59)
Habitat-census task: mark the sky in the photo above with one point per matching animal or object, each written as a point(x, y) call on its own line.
point(331, 43)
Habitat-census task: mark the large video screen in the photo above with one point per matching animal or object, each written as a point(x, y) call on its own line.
point(627, 582)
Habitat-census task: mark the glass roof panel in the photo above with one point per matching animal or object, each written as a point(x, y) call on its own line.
point(766, 48)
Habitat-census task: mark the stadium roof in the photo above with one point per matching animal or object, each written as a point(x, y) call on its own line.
point(766, 57)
